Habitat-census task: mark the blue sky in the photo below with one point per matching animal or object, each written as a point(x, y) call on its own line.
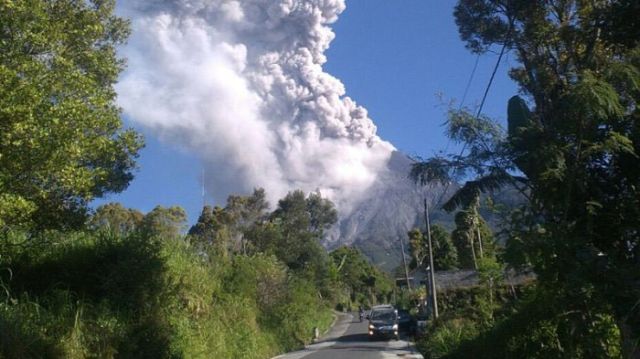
point(394, 58)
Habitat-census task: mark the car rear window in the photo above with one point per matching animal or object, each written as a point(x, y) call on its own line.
point(383, 315)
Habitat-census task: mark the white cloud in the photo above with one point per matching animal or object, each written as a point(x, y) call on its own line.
point(241, 84)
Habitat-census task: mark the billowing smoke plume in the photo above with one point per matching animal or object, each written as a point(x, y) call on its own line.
point(241, 84)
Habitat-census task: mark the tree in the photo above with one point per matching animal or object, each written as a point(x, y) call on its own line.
point(61, 137)
point(445, 254)
point(364, 281)
point(322, 213)
point(575, 135)
point(264, 237)
point(302, 222)
point(116, 218)
point(208, 224)
point(164, 222)
point(228, 227)
point(246, 210)
point(418, 247)
point(296, 227)
point(312, 214)
point(472, 236)
point(242, 213)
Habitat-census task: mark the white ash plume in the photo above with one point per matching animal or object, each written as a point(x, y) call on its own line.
point(241, 84)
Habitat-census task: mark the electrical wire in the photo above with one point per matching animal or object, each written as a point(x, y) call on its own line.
point(464, 95)
point(479, 112)
point(466, 89)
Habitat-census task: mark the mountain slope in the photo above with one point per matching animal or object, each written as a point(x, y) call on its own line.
point(393, 206)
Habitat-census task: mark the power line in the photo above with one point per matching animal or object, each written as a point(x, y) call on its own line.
point(431, 274)
point(484, 98)
point(493, 75)
point(466, 91)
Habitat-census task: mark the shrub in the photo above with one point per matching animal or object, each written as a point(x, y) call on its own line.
point(445, 337)
point(76, 295)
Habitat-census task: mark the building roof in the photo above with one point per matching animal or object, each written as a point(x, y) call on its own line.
point(454, 279)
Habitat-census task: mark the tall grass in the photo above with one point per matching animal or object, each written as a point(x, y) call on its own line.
point(535, 326)
point(85, 295)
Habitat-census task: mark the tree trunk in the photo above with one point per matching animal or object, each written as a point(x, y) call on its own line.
point(473, 253)
point(630, 348)
point(479, 240)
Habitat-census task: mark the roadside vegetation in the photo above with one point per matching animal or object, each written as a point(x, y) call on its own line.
point(244, 282)
point(571, 149)
point(251, 280)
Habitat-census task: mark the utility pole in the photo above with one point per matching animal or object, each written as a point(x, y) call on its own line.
point(204, 200)
point(404, 263)
point(476, 223)
point(434, 296)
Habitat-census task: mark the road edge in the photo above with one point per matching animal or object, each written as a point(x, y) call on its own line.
point(328, 334)
point(335, 314)
point(337, 328)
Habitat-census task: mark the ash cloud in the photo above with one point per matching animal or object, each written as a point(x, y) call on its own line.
point(241, 84)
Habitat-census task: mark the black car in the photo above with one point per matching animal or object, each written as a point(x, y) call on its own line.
point(406, 323)
point(383, 323)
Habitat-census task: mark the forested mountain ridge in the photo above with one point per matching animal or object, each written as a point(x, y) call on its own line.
point(394, 205)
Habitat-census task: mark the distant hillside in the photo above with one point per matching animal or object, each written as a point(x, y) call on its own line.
point(395, 206)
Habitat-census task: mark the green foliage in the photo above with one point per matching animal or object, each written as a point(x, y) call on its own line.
point(313, 214)
point(469, 194)
point(208, 224)
point(246, 210)
point(211, 232)
point(116, 218)
point(518, 116)
point(532, 326)
point(537, 328)
point(164, 222)
point(578, 145)
point(295, 319)
point(472, 238)
point(61, 137)
point(227, 229)
point(365, 284)
point(134, 285)
point(445, 337)
point(15, 211)
point(104, 294)
point(490, 273)
point(300, 221)
point(445, 254)
point(431, 170)
point(86, 294)
point(574, 134)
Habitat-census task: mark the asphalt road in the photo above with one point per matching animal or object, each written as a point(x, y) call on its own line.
point(348, 339)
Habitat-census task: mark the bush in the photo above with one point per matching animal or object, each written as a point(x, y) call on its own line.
point(444, 337)
point(74, 295)
point(543, 324)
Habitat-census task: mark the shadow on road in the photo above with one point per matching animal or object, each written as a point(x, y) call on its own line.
point(360, 337)
point(351, 341)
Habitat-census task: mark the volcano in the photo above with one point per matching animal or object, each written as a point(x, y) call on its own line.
point(393, 205)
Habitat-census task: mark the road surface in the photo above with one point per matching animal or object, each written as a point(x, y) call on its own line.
point(348, 340)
